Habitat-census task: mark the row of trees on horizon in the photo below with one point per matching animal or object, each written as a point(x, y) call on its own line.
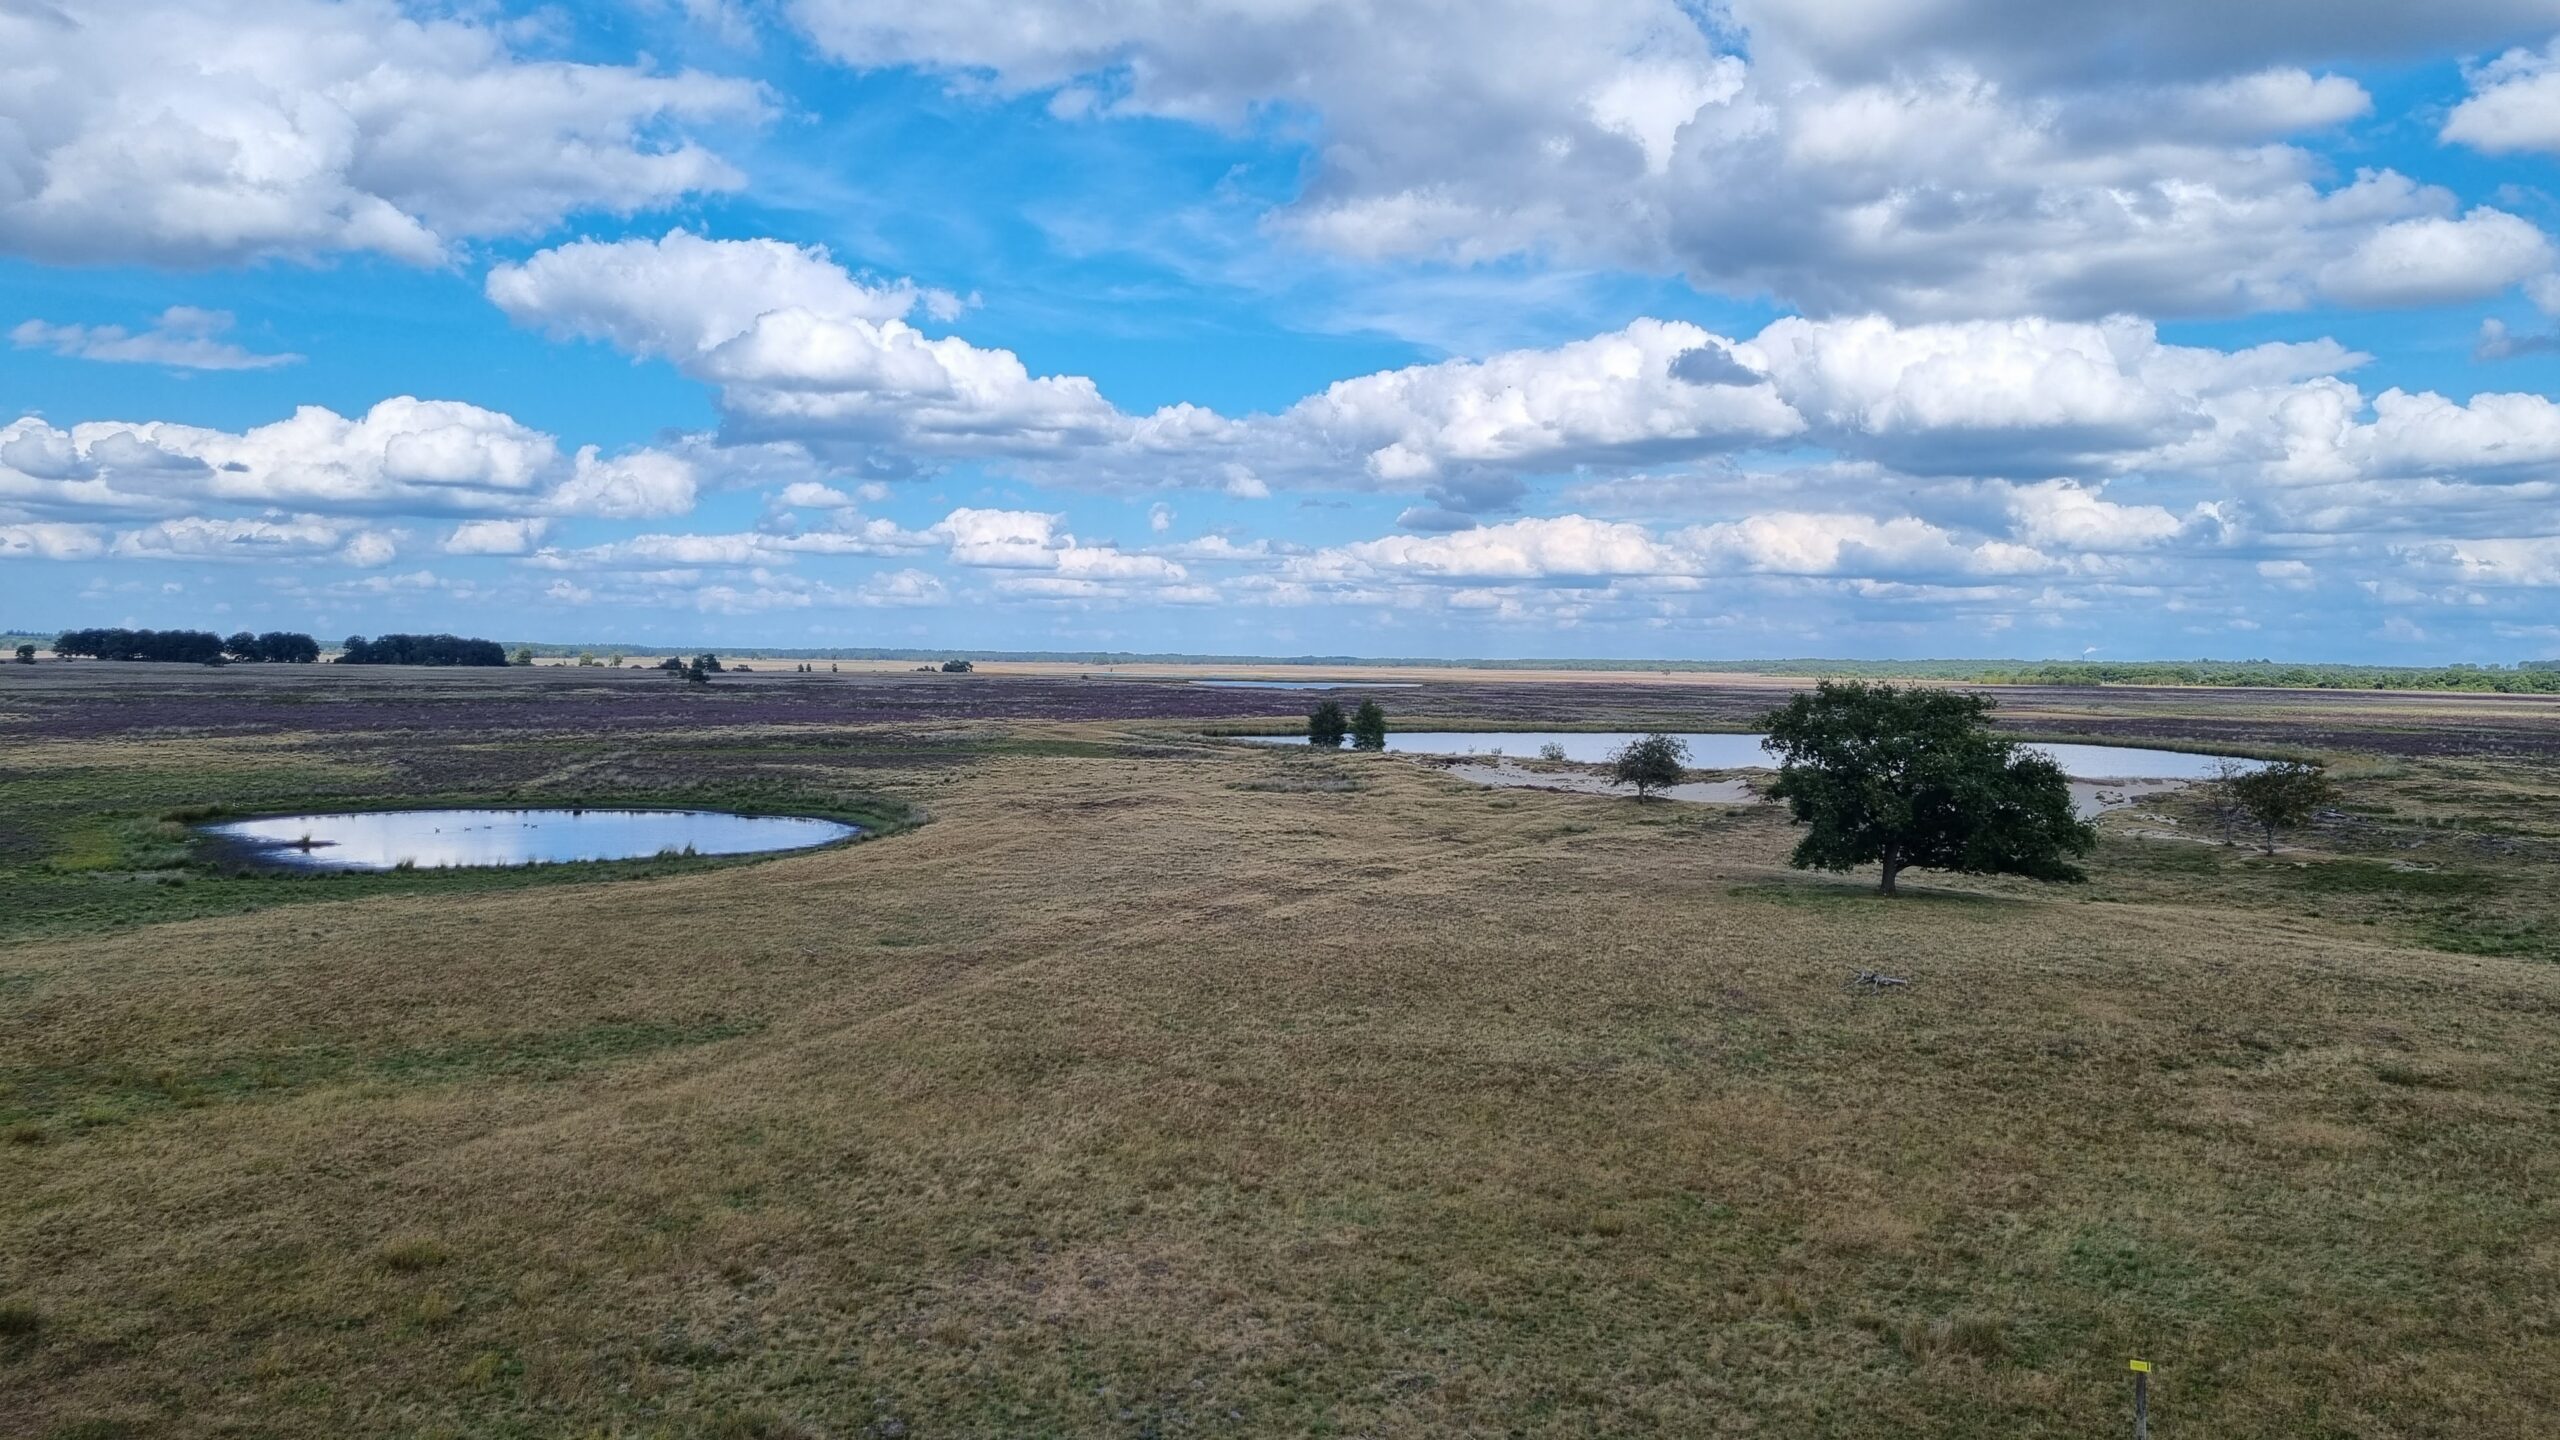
point(275, 647)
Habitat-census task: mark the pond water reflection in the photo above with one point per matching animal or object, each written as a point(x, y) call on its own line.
point(433, 839)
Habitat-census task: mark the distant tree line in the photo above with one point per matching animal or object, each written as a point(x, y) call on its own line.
point(188, 647)
point(275, 647)
point(421, 650)
point(2527, 678)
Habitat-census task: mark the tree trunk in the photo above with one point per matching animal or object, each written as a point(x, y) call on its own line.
point(1892, 868)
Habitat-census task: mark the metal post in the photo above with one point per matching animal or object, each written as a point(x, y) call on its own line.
point(2141, 1400)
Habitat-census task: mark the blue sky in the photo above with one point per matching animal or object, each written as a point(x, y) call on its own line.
point(1628, 328)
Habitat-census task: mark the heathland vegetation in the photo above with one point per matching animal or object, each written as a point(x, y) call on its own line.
point(1160, 1085)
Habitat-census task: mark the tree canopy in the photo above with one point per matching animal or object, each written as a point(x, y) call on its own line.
point(1902, 777)
point(1325, 725)
point(1649, 763)
point(1368, 727)
point(275, 647)
point(2282, 795)
point(188, 647)
point(421, 650)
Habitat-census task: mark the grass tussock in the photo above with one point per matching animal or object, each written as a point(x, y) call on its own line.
point(411, 1254)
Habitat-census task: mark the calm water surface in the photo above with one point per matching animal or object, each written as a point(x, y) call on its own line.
point(1709, 751)
point(431, 839)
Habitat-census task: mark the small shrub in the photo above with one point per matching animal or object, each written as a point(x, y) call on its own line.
point(1551, 751)
point(26, 1132)
point(18, 1319)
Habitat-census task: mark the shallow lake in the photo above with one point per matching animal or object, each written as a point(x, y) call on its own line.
point(1310, 684)
point(1709, 751)
point(433, 839)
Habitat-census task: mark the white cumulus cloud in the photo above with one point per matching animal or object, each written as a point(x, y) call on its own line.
point(194, 132)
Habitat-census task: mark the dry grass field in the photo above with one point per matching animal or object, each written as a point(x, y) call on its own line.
point(1152, 1087)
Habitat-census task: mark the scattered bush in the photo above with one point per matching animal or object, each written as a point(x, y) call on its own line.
point(956, 667)
point(1551, 751)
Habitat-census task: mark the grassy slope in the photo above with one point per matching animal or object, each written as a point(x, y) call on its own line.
point(1122, 1099)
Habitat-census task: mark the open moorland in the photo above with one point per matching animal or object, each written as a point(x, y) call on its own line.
point(1132, 1082)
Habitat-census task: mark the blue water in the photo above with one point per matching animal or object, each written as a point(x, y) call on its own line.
point(1310, 684)
point(1712, 751)
point(434, 839)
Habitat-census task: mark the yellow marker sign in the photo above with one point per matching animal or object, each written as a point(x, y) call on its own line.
point(2142, 1366)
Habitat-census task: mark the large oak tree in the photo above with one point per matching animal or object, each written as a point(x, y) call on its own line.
point(1911, 776)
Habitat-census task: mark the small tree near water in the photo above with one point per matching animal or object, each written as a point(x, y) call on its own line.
point(1368, 727)
point(2220, 793)
point(1325, 725)
point(1654, 762)
point(2283, 795)
point(1905, 776)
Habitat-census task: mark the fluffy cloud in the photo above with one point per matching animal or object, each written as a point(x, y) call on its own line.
point(2514, 104)
point(50, 541)
point(405, 455)
point(1577, 548)
point(1633, 394)
point(823, 364)
point(2068, 516)
point(2438, 259)
point(680, 296)
point(1924, 158)
point(194, 132)
point(803, 351)
point(494, 537)
point(197, 537)
point(2026, 41)
point(183, 338)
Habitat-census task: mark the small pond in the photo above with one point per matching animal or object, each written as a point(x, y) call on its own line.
point(1310, 684)
point(434, 839)
point(1709, 751)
